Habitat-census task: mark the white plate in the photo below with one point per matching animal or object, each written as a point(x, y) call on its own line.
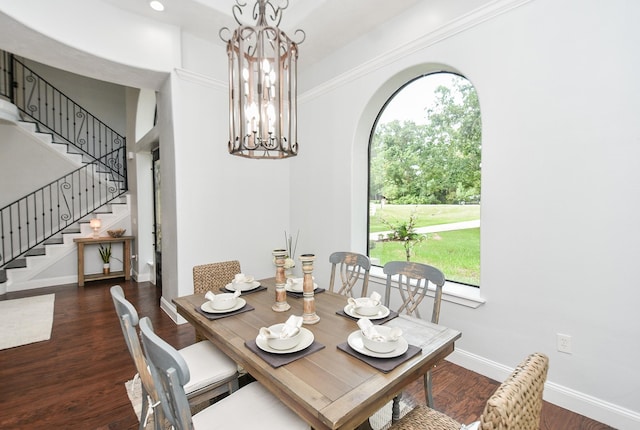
point(206, 307)
point(306, 339)
point(291, 290)
point(355, 341)
point(253, 286)
point(383, 313)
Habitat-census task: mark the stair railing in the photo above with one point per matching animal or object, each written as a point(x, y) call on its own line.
point(47, 211)
point(58, 114)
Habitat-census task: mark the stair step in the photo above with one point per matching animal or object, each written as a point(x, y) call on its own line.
point(17, 264)
point(72, 230)
point(3, 276)
point(54, 241)
point(35, 252)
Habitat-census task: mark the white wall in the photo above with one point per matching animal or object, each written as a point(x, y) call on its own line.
point(556, 82)
point(561, 164)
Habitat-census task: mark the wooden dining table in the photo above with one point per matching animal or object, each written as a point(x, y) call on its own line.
point(329, 388)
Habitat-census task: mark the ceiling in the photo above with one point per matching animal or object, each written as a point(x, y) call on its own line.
point(327, 23)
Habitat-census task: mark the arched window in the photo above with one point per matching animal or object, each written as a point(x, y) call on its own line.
point(424, 177)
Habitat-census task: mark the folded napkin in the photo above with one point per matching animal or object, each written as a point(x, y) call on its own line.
point(290, 328)
point(211, 296)
point(374, 300)
point(242, 278)
point(372, 332)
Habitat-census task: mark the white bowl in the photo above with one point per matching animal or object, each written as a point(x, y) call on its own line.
point(380, 346)
point(282, 344)
point(223, 301)
point(363, 307)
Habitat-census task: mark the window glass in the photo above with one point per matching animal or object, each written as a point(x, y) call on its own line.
point(424, 177)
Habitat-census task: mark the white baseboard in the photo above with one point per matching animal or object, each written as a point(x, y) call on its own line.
point(575, 401)
point(170, 310)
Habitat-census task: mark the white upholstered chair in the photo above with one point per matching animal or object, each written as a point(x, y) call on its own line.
point(212, 372)
point(251, 407)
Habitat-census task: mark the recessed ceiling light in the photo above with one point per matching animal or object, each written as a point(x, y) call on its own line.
point(156, 5)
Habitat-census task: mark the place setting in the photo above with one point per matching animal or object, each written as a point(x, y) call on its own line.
point(284, 343)
point(382, 347)
point(294, 288)
point(367, 307)
point(223, 305)
point(243, 283)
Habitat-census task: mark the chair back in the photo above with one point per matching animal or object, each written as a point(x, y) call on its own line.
point(351, 266)
point(128, 317)
point(213, 276)
point(413, 282)
point(170, 373)
point(517, 403)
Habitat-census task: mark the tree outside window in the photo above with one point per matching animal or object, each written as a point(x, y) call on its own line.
point(424, 177)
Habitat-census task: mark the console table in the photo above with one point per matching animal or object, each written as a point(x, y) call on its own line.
point(126, 258)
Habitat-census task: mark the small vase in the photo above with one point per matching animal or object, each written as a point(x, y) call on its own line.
point(106, 268)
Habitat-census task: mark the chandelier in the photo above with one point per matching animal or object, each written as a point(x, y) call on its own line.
point(262, 84)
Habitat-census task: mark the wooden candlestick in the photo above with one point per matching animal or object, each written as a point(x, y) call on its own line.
point(281, 304)
point(309, 305)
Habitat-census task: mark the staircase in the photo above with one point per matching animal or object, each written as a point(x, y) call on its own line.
point(37, 230)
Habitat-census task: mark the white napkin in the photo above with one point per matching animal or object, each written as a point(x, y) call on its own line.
point(210, 296)
point(291, 328)
point(374, 300)
point(241, 277)
point(370, 331)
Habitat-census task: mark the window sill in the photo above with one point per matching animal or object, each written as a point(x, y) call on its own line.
point(452, 292)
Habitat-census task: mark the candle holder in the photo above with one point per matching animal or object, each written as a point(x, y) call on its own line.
point(281, 304)
point(309, 305)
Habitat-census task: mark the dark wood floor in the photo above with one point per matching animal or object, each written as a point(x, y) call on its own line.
point(76, 379)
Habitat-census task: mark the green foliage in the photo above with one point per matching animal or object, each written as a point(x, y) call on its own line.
point(438, 162)
point(405, 232)
point(105, 253)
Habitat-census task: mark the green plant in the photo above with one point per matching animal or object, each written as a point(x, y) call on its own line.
point(405, 232)
point(105, 253)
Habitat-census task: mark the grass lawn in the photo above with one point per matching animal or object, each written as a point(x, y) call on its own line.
point(456, 253)
point(426, 215)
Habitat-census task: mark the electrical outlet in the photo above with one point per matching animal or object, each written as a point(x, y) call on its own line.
point(564, 343)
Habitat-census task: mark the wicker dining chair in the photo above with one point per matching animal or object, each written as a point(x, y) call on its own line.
point(351, 266)
point(515, 405)
point(212, 277)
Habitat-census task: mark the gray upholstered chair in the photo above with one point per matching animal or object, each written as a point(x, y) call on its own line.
point(352, 267)
point(412, 280)
point(213, 373)
point(251, 407)
point(515, 405)
point(212, 277)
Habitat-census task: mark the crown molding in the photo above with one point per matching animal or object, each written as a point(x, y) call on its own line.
point(459, 25)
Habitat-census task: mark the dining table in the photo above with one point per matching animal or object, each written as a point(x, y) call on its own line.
point(328, 384)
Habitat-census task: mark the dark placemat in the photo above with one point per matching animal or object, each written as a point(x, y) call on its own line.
point(384, 365)
point(299, 295)
point(277, 360)
point(392, 315)
point(245, 308)
point(244, 293)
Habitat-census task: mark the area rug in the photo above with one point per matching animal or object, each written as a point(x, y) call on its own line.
point(381, 420)
point(27, 320)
